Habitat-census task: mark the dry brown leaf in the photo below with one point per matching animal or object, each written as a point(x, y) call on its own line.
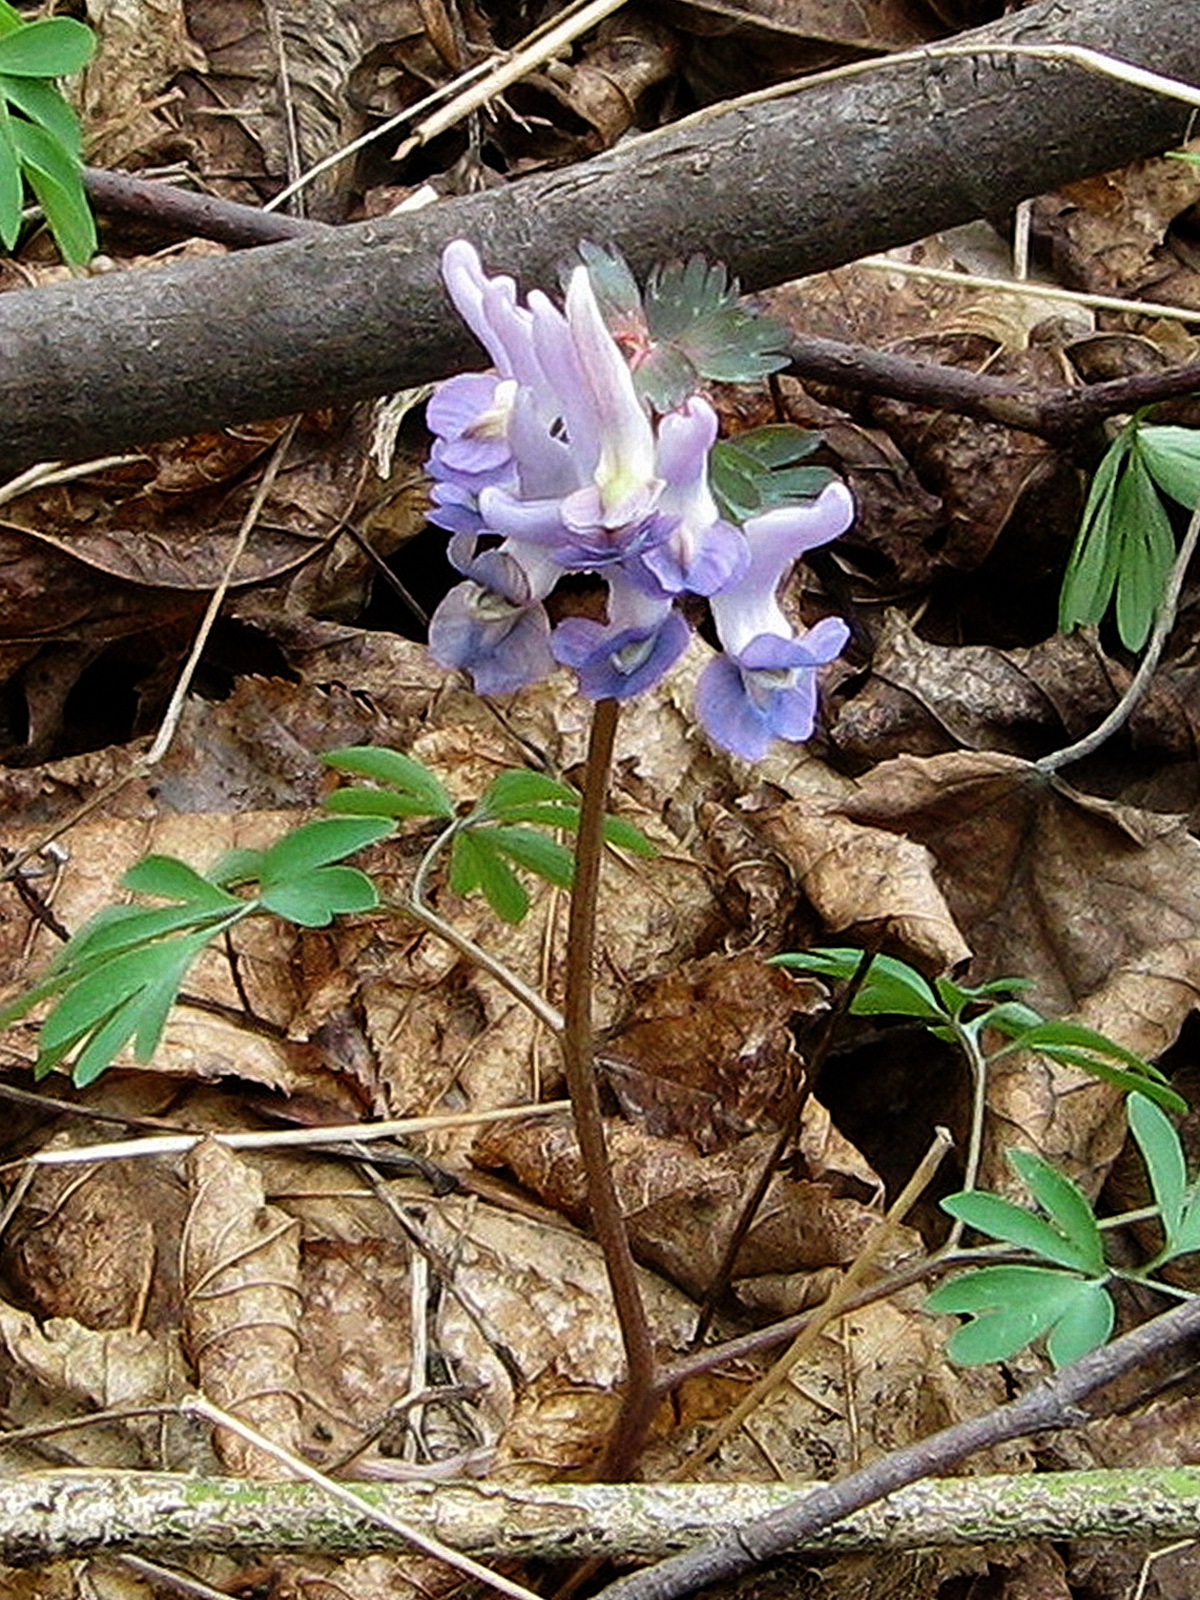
point(355, 1359)
point(1065, 1114)
point(1109, 233)
point(240, 1272)
point(707, 1048)
point(59, 1368)
point(856, 876)
point(100, 1245)
point(987, 475)
point(141, 45)
point(540, 1309)
point(923, 698)
point(877, 1380)
point(1045, 883)
point(1095, 903)
point(680, 1207)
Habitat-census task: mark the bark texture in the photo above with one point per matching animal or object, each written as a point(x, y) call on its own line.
point(775, 187)
point(48, 1516)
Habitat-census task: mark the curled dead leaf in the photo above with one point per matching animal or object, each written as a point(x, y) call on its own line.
point(240, 1269)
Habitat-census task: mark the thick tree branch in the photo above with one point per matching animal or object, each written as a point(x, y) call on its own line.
point(47, 1516)
point(776, 187)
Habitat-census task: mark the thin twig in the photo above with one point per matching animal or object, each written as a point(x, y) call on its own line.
point(199, 1406)
point(1030, 290)
point(179, 1143)
point(421, 911)
point(833, 1308)
point(547, 41)
point(45, 473)
point(1056, 1402)
point(1096, 61)
point(1140, 683)
point(167, 1578)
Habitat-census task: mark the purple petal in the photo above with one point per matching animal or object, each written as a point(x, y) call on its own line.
point(617, 665)
point(503, 646)
point(749, 607)
point(769, 691)
point(815, 647)
point(487, 306)
point(704, 563)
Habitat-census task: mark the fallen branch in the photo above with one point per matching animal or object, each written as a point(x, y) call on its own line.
point(777, 187)
point(1056, 1402)
point(1061, 415)
point(59, 1515)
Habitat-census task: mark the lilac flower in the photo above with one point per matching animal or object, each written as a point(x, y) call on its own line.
point(553, 463)
point(703, 553)
point(642, 638)
point(764, 686)
point(768, 691)
point(494, 625)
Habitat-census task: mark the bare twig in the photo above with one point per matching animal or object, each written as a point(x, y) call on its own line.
point(64, 1513)
point(1055, 1403)
point(1061, 415)
point(173, 1144)
point(833, 1308)
point(184, 211)
point(198, 1406)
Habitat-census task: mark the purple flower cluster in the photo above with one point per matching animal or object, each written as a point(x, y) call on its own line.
point(553, 464)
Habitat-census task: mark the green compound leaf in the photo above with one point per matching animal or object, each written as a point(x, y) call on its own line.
point(12, 191)
point(317, 844)
point(314, 899)
point(519, 788)
point(419, 792)
point(1091, 573)
point(1080, 1046)
point(535, 852)
point(1010, 1306)
point(1172, 458)
point(991, 1214)
point(1163, 1156)
point(41, 102)
point(55, 176)
point(476, 864)
point(356, 801)
point(694, 305)
point(1147, 553)
point(524, 796)
point(1065, 1203)
point(757, 471)
point(891, 987)
point(127, 995)
point(52, 47)
point(168, 878)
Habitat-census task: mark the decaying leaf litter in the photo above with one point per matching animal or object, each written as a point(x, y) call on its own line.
point(456, 1321)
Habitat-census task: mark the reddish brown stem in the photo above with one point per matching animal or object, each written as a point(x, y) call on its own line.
point(625, 1443)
